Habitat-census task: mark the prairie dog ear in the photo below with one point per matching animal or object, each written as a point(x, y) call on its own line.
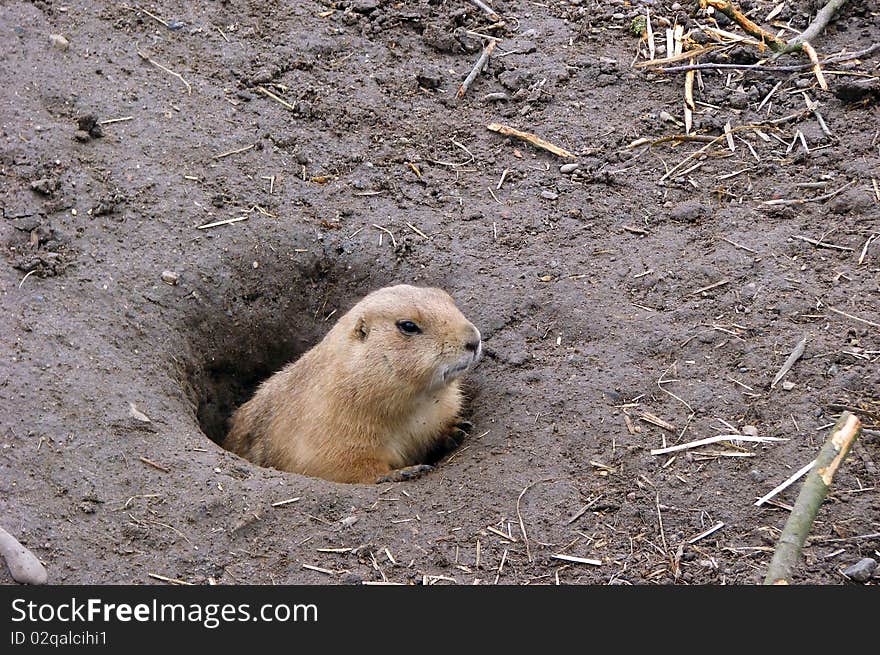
point(361, 329)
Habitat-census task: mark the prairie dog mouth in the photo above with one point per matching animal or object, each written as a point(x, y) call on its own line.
point(452, 371)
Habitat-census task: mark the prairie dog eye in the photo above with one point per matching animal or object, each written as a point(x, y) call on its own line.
point(408, 328)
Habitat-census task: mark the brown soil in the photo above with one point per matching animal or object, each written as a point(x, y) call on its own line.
point(586, 287)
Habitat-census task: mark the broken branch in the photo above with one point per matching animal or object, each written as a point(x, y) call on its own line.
point(815, 488)
point(535, 140)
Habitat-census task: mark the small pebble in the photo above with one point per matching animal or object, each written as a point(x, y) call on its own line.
point(749, 430)
point(787, 385)
point(568, 168)
point(170, 277)
point(58, 41)
point(549, 195)
point(23, 564)
point(862, 570)
point(349, 521)
point(137, 414)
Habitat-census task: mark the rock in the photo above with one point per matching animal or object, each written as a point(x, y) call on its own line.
point(496, 97)
point(516, 79)
point(862, 570)
point(429, 79)
point(89, 124)
point(170, 277)
point(45, 186)
point(364, 6)
point(567, 169)
point(549, 195)
point(690, 211)
point(23, 564)
point(788, 385)
point(59, 42)
point(349, 521)
point(439, 39)
point(749, 430)
point(137, 414)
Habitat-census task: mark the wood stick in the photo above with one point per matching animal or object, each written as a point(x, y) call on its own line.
point(817, 69)
point(705, 533)
point(535, 140)
point(822, 244)
point(820, 22)
point(491, 13)
point(806, 507)
point(163, 578)
point(778, 489)
point(167, 70)
point(716, 439)
point(769, 69)
point(155, 465)
point(795, 355)
point(478, 67)
point(577, 560)
point(687, 54)
point(753, 29)
point(281, 101)
point(855, 318)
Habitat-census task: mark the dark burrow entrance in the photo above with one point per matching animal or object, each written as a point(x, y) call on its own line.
point(256, 326)
point(260, 321)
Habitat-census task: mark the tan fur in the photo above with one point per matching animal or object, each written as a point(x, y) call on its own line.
point(367, 399)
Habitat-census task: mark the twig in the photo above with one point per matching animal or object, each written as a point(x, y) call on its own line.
point(802, 201)
point(864, 248)
point(778, 489)
point(535, 140)
point(855, 318)
point(155, 465)
point(226, 221)
point(687, 54)
point(817, 69)
point(577, 560)
point(281, 101)
point(233, 152)
point(822, 244)
point(752, 29)
point(820, 22)
point(167, 70)
point(388, 232)
point(522, 525)
point(792, 358)
point(770, 69)
point(478, 67)
point(110, 121)
point(491, 13)
point(583, 510)
point(705, 533)
point(281, 503)
point(715, 439)
point(813, 492)
point(156, 576)
point(709, 287)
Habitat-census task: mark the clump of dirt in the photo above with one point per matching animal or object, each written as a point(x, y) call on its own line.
point(188, 203)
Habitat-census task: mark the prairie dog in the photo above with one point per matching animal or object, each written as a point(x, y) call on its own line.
point(378, 394)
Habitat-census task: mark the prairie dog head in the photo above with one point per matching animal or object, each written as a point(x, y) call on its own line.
point(414, 334)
